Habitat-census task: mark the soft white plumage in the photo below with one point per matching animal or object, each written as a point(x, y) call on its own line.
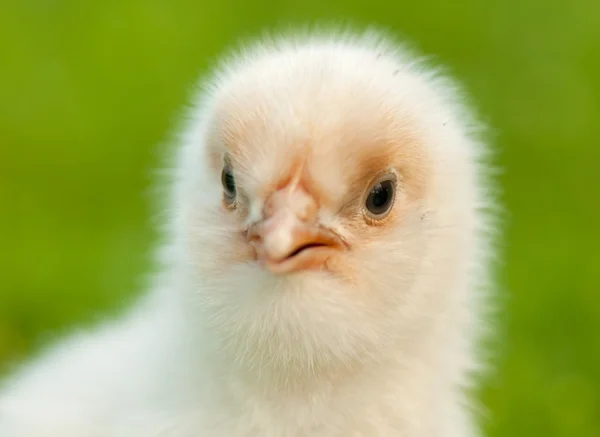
point(371, 333)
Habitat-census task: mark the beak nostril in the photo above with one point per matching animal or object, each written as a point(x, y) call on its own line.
point(252, 238)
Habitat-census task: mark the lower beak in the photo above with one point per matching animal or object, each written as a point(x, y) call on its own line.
point(286, 244)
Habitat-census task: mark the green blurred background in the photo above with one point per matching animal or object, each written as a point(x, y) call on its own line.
point(89, 91)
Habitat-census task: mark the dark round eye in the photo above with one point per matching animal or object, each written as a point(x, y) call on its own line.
point(380, 199)
point(228, 182)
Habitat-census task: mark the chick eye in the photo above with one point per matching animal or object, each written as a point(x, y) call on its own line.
point(228, 182)
point(380, 199)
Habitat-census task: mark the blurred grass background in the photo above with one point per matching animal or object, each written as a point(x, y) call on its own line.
point(88, 90)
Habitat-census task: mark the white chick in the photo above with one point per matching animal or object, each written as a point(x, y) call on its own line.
point(324, 269)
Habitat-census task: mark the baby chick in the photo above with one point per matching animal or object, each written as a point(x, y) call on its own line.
point(324, 267)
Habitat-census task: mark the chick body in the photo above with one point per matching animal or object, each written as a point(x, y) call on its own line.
point(379, 341)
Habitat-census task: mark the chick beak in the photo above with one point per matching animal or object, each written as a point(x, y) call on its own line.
point(288, 238)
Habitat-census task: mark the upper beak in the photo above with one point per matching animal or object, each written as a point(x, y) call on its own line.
point(288, 239)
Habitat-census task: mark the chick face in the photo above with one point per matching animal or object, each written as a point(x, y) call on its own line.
point(318, 201)
point(316, 175)
point(314, 189)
